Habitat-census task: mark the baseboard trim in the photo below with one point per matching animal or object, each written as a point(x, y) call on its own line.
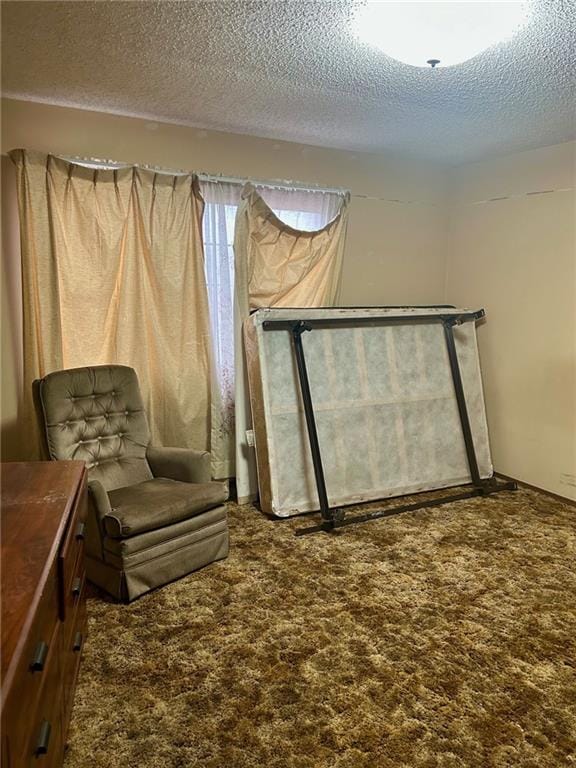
point(522, 484)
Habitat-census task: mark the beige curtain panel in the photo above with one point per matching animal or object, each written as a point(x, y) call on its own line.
point(113, 272)
point(277, 266)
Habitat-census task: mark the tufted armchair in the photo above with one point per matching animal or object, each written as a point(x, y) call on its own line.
point(153, 513)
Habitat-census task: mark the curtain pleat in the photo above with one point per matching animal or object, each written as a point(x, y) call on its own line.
point(113, 272)
point(277, 265)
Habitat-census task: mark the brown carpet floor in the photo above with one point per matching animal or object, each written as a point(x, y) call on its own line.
point(445, 637)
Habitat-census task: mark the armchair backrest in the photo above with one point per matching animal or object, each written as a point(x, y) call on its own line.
point(96, 415)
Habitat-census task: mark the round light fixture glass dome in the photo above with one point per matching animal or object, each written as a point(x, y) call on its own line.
point(427, 33)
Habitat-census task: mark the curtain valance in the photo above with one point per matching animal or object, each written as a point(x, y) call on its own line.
point(282, 266)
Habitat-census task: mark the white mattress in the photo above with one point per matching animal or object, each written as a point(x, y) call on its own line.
point(384, 403)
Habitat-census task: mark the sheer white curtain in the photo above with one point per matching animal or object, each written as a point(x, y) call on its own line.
point(301, 209)
point(221, 202)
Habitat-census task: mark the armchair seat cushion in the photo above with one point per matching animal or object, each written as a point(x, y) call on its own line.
point(158, 502)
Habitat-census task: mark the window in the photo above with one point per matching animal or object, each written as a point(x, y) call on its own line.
point(301, 209)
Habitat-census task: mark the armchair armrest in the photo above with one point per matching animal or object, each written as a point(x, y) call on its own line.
point(98, 507)
point(182, 464)
point(100, 498)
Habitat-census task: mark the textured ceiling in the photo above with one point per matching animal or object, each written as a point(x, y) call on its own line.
point(290, 69)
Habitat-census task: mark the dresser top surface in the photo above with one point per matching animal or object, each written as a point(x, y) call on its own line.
point(37, 498)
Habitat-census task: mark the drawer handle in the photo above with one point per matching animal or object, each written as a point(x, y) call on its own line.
point(43, 738)
point(77, 642)
point(76, 585)
point(80, 531)
point(40, 653)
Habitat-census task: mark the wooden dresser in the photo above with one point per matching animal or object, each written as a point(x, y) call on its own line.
point(44, 507)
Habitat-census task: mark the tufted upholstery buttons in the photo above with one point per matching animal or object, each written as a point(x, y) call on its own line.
point(85, 409)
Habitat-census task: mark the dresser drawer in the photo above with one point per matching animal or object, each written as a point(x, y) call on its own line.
point(71, 557)
point(74, 636)
point(33, 668)
point(45, 747)
point(73, 593)
point(76, 616)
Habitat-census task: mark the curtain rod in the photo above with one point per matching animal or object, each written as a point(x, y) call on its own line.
point(96, 162)
point(274, 183)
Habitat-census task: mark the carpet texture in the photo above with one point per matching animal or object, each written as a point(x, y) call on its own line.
point(440, 638)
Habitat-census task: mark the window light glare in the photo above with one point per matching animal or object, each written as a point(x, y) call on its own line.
point(446, 32)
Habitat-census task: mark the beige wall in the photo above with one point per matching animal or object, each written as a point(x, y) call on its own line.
point(395, 247)
point(11, 313)
point(395, 250)
point(517, 258)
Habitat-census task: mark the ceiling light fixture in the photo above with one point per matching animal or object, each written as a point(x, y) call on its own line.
point(432, 32)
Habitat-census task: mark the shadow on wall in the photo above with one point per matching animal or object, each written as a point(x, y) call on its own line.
point(11, 445)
